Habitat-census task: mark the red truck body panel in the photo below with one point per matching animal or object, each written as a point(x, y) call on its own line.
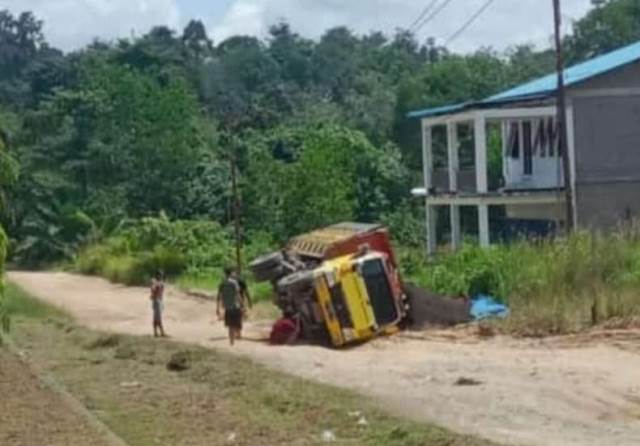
point(343, 239)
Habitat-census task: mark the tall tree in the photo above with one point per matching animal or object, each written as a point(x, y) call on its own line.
point(609, 25)
point(20, 42)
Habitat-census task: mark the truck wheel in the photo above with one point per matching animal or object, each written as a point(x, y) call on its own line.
point(296, 282)
point(267, 267)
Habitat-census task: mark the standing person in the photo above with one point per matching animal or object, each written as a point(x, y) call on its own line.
point(245, 298)
point(230, 296)
point(157, 305)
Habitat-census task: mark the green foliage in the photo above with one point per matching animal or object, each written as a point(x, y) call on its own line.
point(120, 143)
point(406, 224)
point(553, 283)
point(193, 252)
point(8, 175)
point(609, 25)
point(140, 248)
point(4, 304)
point(301, 178)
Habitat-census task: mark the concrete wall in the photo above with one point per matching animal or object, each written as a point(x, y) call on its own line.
point(606, 206)
point(607, 138)
point(607, 144)
point(625, 77)
point(555, 212)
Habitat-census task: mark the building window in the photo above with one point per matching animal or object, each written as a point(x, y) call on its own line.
point(513, 146)
point(527, 148)
point(552, 137)
point(541, 142)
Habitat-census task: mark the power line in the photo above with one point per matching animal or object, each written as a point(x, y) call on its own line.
point(469, 22)
point(424, 12)
point(433, 15)
point(562, 118)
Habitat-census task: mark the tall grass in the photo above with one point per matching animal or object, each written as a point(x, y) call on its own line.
point(194, 253)
point(20, 304)
point(552, 286)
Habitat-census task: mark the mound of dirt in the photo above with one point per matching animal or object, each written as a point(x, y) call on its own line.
point(428, 309)
point(104, 341)
point(179, 361)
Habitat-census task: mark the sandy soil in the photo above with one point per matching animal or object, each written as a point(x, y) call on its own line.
point(582, 390)
point(31, 413)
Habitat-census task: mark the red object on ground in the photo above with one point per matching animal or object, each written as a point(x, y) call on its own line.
point(284, 331)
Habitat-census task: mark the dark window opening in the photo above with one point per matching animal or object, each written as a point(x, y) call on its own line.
point(340, 306)
point(541, 142)
point(552, 136)
point(527, 148)
point(379, 290)
point(514, 140)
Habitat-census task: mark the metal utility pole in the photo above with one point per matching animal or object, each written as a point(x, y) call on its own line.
point(562, 118)
point(236, 208)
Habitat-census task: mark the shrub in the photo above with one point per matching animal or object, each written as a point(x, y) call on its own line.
point(123, 269)
point(136, 251)
point(171, 262)
point(91, 260)
point(552, 286)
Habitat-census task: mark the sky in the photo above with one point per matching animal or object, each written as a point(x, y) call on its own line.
point(71, 24)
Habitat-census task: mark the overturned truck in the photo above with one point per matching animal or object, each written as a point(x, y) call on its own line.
point(342, 281)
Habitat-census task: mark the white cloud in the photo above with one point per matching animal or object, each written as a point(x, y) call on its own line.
point(505, 23)
point(70, 24)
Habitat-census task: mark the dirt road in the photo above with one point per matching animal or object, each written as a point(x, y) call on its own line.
point(571, 391)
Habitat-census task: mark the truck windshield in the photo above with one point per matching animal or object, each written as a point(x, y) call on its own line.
point(379, 290)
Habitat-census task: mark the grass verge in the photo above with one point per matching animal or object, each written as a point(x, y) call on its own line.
point(552, 286)
point(22, 305)
point(217, 399)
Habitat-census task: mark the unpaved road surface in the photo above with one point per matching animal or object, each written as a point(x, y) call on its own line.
point(565, 391)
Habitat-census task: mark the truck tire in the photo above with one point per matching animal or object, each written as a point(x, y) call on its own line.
point(267, 267)
point(296, 282)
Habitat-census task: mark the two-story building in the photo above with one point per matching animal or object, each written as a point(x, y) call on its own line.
point(603, 126)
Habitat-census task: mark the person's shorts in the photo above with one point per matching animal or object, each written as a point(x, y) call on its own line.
point(156, 306)
point(233, 318)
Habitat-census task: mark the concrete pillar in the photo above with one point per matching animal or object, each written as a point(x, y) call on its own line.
point(456, 233)
point(482, 184)
point(432, 235)
point(454, 161)
point(427, 156)
point(483, 225)
point(571, 147)
point(430, 211)
point(454, 168)
point(480, 141)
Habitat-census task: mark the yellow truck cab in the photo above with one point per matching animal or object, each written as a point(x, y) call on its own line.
point(342, 281)
point(355, 298)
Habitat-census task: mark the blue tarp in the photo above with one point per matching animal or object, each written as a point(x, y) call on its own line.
point(487, 307)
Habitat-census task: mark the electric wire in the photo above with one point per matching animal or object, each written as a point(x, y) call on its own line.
point(423, 14)
point(469, 22)
point(433, 15)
